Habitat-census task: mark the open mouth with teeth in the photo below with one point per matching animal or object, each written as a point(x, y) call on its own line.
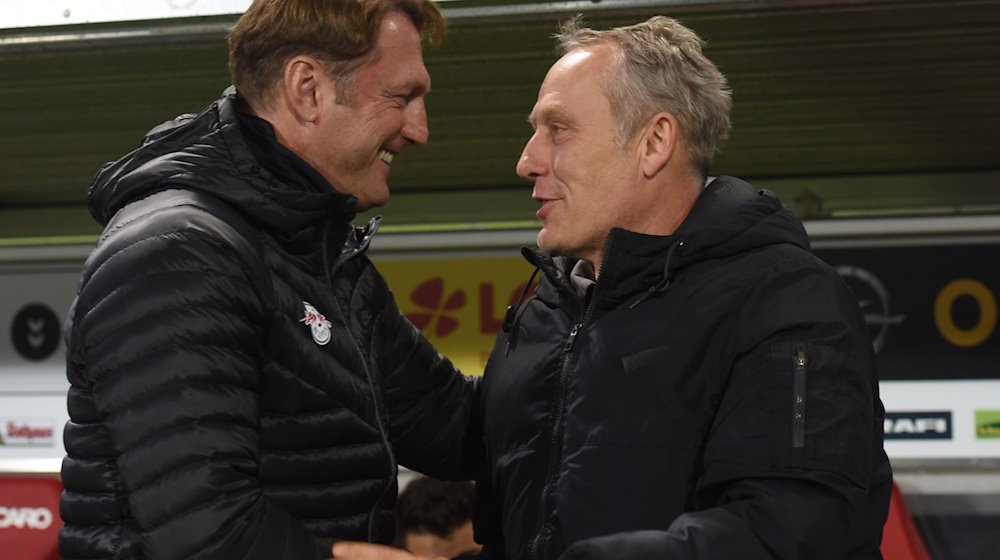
point(386, 156)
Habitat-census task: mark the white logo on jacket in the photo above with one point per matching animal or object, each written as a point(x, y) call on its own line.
point(318, 324)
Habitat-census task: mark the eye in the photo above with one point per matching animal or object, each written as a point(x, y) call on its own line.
point(555, 129)
point(402, 99)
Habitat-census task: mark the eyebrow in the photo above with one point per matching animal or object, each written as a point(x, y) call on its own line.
point(416, 87)
point(548, 113)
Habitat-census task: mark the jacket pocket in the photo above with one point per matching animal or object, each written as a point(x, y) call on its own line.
point(654, 357)
point(800, 365)
point(822, 409)
point(642, 398)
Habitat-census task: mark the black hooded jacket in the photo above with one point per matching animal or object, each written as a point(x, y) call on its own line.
point(242, 382)
point(714, 396)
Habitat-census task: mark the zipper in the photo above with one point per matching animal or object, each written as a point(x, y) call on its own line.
point(572, 338)
point(800, 362)
point(555, 437)
point(393, 471)
point(345, 256)
point(356, 247)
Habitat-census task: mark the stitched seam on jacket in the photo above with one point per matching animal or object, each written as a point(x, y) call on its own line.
point(153, 237)
point(190, 466)
point(181, 514)
point(133, 279)
point(285, 453)
point(111, 413)
point(322, 484)
point(172, 429)
point(285, 369)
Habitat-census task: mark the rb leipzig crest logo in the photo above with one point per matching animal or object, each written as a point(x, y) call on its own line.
point(317, 323)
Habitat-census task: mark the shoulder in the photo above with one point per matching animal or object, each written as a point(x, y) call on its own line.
point(782, 268)
point(174, 229)
point(171, 212)
point(788, 289)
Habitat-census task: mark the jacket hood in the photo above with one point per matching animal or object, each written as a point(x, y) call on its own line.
point(208, 152)
point(731, 216)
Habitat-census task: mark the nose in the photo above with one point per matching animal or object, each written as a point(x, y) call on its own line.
point(529, 166)
point(415, 123)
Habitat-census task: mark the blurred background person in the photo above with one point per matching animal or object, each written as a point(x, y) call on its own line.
point(434, 518)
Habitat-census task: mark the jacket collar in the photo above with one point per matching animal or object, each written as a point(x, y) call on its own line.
point(730, 216)
point(213, 152)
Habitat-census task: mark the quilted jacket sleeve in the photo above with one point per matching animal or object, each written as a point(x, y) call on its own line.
point(793, 465)
point(431, 405)
point(164, 363)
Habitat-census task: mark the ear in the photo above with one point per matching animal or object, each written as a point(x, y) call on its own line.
point(658, 143)
point(305, 85)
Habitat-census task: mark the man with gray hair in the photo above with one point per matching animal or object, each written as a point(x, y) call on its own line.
point(688, 381)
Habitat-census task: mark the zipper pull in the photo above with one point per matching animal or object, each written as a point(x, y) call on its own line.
point(572, 338)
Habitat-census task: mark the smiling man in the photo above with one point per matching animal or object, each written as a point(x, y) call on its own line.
point(242, 382)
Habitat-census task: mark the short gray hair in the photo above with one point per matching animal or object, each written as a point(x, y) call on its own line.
point(659, 66)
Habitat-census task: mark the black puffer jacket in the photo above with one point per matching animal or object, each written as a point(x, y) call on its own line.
point(715, 398)
point(242, 382)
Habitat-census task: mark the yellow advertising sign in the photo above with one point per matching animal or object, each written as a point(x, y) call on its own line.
point(458, 303)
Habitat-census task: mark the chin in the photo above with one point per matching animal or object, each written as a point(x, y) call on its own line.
point(545, 243)
point(374, 200)
point(382, 201)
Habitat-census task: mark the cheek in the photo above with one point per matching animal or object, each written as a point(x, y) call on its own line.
point(387, 121)
point(583, 162)
point(569, 171)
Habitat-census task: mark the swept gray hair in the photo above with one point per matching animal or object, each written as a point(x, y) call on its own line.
point(659, 66)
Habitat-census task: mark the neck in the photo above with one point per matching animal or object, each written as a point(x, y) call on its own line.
point(664, 205)
point(667, 205)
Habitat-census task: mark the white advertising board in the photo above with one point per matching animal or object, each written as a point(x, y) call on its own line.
point(36, 13)
point(34, 300)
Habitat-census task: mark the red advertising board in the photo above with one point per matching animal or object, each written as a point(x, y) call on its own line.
point(29, 517)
